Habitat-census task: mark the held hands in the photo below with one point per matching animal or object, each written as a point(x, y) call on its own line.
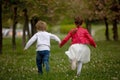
point(95, 46)
point(60, 45)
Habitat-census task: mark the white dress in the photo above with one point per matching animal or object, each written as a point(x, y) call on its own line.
point(79, 52)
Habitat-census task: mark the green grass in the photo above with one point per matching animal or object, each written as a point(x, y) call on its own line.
point(20, 65)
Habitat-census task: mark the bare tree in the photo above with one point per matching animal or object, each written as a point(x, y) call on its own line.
point(115, 8)
point(115, 30)
point(26, 27)
point(107, 29)
point(33, 22)
point(0, 27)
point(14, 28)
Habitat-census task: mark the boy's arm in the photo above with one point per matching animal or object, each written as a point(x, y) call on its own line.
point(30, 42)
point(52, 36)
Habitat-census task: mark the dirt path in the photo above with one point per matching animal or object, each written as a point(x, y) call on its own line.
point(96, 29)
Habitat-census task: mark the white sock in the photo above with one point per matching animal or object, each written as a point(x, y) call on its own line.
point(79, 68)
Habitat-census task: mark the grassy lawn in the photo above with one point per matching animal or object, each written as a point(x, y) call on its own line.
point(20, 65)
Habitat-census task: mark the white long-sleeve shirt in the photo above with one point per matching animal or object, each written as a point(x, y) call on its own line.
point(43, 40)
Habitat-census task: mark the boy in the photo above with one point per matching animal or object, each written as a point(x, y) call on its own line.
point(42, 37)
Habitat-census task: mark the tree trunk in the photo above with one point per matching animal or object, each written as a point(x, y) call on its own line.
point(115, 30)
point(24, 36)
point(0, 28)
point(88, 25)
point(27, 23)
point(107, 29)
point(26, 27)
point(33, 22)
point(32, 27)
point(14, 28)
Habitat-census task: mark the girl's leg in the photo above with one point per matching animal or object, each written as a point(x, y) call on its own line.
point(79, 68)
point(73, 64)
point(39, 62)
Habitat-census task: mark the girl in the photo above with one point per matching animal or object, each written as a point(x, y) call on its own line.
point(78, 52)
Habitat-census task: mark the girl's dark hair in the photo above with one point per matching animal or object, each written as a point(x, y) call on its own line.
point(78, 20)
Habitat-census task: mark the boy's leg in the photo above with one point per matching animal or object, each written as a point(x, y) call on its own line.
point(39, 62)
point(46, 60)
point(79, 68)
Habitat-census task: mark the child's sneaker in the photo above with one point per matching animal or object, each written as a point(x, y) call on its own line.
point(78, 74)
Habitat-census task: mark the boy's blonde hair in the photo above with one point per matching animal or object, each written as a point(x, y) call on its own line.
point(41, 26)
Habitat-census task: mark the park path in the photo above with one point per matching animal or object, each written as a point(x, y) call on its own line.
point(93, 32)
point(8, 32)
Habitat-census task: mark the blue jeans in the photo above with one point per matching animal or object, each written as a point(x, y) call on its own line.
point(42, 58)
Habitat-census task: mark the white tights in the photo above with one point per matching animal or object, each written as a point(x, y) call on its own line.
point(79, 67)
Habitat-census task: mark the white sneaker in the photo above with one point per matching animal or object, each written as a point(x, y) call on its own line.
point(78, 74)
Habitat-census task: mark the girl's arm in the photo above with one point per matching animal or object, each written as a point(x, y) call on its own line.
point(91, 40)
point(65, 39)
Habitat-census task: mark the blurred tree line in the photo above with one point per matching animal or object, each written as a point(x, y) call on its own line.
point(54, 11)
point(107, 11)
